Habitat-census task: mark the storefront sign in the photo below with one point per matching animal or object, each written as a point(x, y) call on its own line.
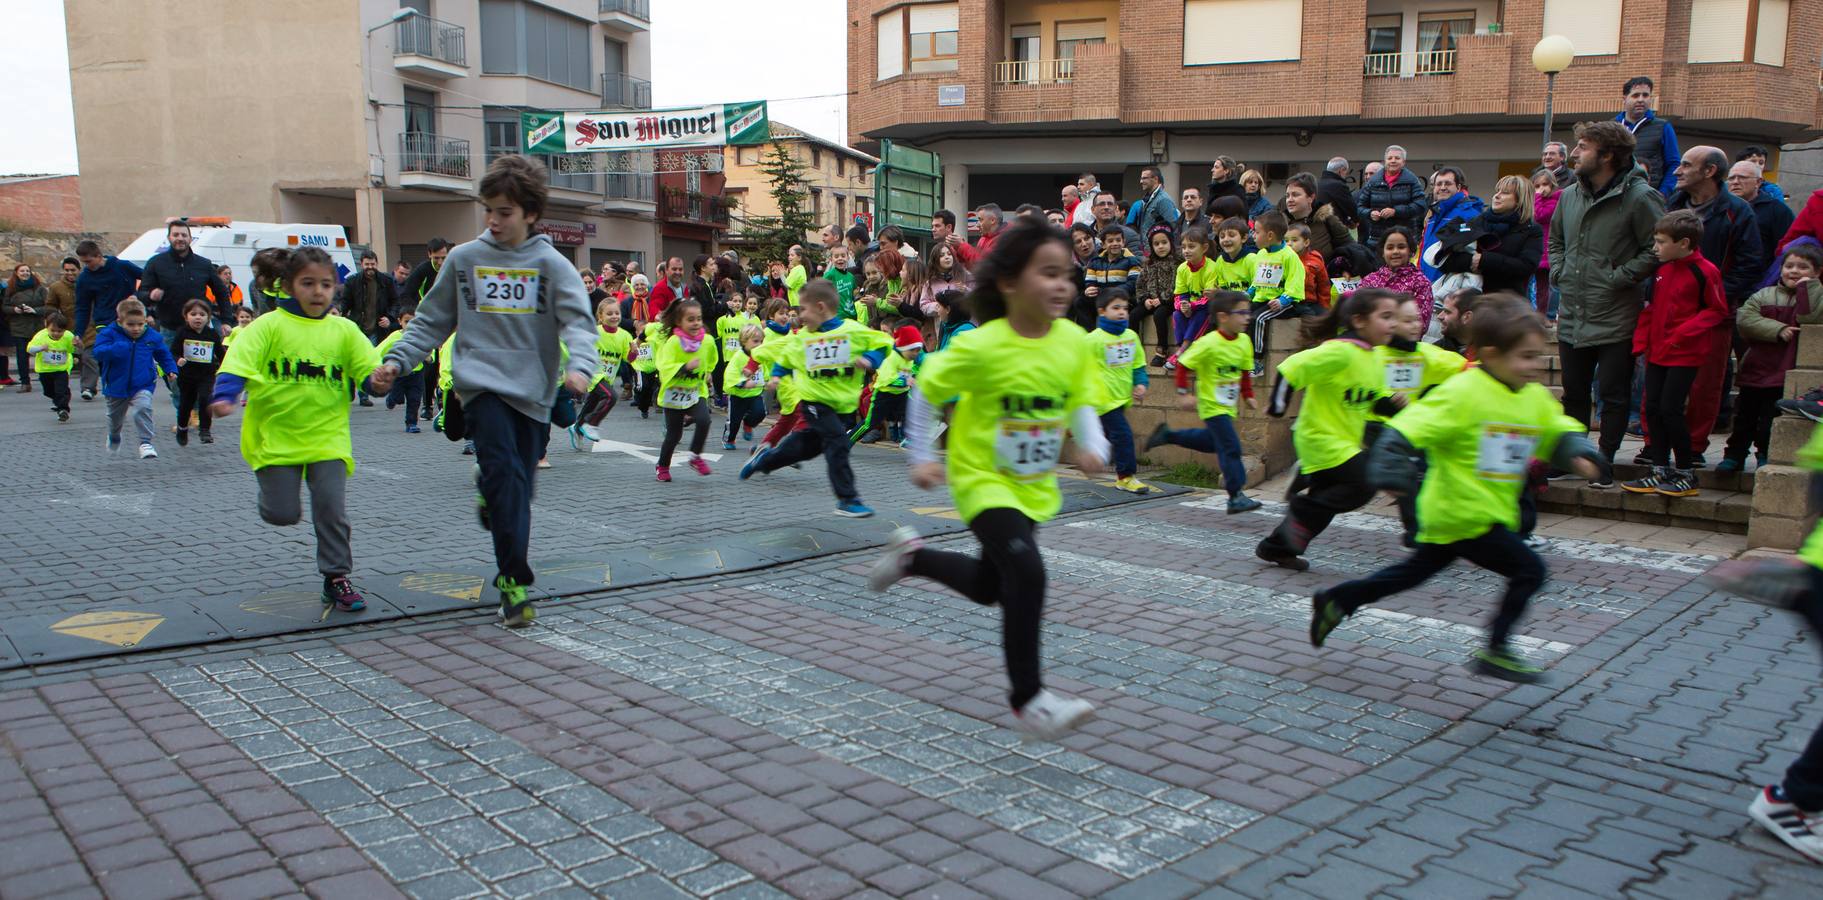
point(570, 233)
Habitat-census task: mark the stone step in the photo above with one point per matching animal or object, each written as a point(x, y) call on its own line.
point(1789, 434)
point(1713, 510)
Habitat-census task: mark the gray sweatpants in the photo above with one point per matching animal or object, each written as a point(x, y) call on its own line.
point(279, 505)
point(141, 406)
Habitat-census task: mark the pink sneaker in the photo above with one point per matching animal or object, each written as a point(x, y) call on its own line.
point(664, 473)
point(700, 464)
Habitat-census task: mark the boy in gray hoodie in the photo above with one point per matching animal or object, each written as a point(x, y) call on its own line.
point(511, 300)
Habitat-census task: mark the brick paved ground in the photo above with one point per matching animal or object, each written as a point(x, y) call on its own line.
point(784, 733)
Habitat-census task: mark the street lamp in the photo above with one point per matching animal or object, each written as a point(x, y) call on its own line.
point(1551, 55)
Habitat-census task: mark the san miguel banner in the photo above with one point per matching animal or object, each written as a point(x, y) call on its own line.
point(656, 129)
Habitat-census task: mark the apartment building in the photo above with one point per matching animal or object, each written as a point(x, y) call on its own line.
point(840, 181)
point(1019, 96)
point(377, 115)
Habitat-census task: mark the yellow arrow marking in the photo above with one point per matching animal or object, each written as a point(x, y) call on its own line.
point(446, 584)
point(937, 512)
point(297, 606)
point(586, 569)
point(711, 555)
point(121, 629)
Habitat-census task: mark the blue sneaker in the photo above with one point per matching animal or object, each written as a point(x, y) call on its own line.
point(753, 463)
point(575, 436)
point(727, 446)
point(854, 509)
point(413, 429)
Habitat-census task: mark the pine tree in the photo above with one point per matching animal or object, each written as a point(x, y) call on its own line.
point(773, 235)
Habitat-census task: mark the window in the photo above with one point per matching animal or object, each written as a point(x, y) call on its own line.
point(1593, 26)
point(841, 211)
point(1718, 30)
point(816, 157)
point(501, 132)
point(1071, 35)
point(1027, 42)
point(613, 56)
point(816, 204)
point(932, 27)
point(889, 38)
point(520, 38)
point(841, 167)
point(420, 111)
point(1438, 31)
point(1274, 28)
point(1383, 33)
point(1769, 32)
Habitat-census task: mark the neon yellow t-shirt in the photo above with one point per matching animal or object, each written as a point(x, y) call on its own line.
point(1479, 436)
point(611, 349)
point(1411, 374)
point(1275, 273)
point(1114, 356)
point(1219, 363)
point(300, 375)
point(1232, 274)
point(824, 362)
point(770, 343)
point(51, 354)
point(1341, 381)
point(1810, 457)
point(1013, 396)
point(794, 281)
point(679, 388)
point(735, 380)
point(386, 344)
point(895, 373)
point(728, 331)
point(446, 376)
point(1195, 282)
point(645, 358)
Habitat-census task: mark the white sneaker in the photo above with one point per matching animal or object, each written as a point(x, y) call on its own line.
point(1535, 542)
point(893, 565)
point(1798, 829)
point(1049, 716)
point(588, 431)
point(147, 451)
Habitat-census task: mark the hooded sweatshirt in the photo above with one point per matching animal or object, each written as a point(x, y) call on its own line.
point(510, 308)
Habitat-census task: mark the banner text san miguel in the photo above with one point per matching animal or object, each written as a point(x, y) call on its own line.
point(714, 125)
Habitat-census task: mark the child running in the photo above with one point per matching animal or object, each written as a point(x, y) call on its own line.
point(779, 326)
point(197, 347)
point(409, 387)
point(611, 345)
point(1480, 431)
point(685, 361)
point(299, 366)
point(744, 384)
point(1222, 363)
point(895, 379)
point(53, 352)
point(1341, 382)
point(1411, 369)
point(830, 356)
point(514, 304)
point(1007, 431)
point(131, 361)
point(1120, 379)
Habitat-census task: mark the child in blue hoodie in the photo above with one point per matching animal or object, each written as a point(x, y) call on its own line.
point(515, 304)
point(132, 361)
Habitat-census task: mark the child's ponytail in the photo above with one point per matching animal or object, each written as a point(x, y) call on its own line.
point(1012, 251)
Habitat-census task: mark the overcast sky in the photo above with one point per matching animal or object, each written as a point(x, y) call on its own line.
point(703, 51)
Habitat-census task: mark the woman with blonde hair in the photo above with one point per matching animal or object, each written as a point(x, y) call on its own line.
point(1253, 193)
point(1507, 255)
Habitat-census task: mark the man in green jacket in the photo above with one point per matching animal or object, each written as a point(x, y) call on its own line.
point(1601, 254)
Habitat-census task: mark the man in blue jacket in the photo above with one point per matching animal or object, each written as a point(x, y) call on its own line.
point(103, 282)
point(1451, 201)
point(1654, 140)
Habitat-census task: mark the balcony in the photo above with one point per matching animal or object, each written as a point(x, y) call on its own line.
point(625, 15)
point(433, 161)
point(1034, 71)
point(1422, 62)
point(429, 48)
point(622, 91)
point(693, 207)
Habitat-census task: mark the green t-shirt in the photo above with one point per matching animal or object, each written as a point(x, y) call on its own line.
point(1479, 437)
point(1411, 374)
point(1274, 274)
point(611, 349)
point(770, 343)
point(1810, 457)
point(824, 362)
point(1232, 274)
point(1341, 381)
point(896, 373)
point(1114, 357)
point(645, 358)
point(386, 344)
point(679, 388)
point(1195, 282)
point(845, 290)
point(1013, 396)
point(300, 376)
point(735, 380)
point(794, 281)
point(51, 354)
point(1219, 362)
point(728, 331)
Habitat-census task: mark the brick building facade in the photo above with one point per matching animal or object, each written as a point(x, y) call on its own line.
point(996, 86)
point(41, 202)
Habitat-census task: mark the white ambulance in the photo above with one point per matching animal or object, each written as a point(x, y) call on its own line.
point(227, 242)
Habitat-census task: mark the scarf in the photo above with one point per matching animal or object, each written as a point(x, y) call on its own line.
point(289, 304)
point(21, 285)
point(1390, 176)
point(1111, 326)
point(691, 341)
point(1499, 224)
point(777, 327)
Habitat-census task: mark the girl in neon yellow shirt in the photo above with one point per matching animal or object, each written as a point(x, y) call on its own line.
point(1013, 388)
point(686, 358)
point(611, 346)
point(1341, 382)
point(743, 381)
point(1411, 368)
point(1480, 431)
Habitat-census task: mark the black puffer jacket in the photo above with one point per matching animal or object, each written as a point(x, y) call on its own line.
point(1405, 197)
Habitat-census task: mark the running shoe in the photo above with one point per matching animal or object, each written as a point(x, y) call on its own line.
point(1800, 830)
point(338, 592)
point(574, 432)
point(147, 451)
point(1506, 665)
point(391, 403)
point(752, 466)
point(664, 473)
point(544, 463)
point(1780, 582)
point(183, 437)
point(1697, 461)
point(1281, 559)
point(1642, 458)
point(1534, 542)
point(896, 564)
point(413, 429)
point(468, 448)
point(1158, 361)
point(88, 394)
point(1809, 405)
point(1240, 503)
point(747, 434)
point(1049, 716)
point(698, 463)
point(112, 443)
point(1649, 484)
point(728, 446)
point(1325, 615)
point(1603, 484)
point(854, 509)
point(516, 611)
point(366, 402)
point(1729, 465)
point(205, 436)
point(1679, 484)
point(63, 415)
point(1157, 437)
point(1133, 485)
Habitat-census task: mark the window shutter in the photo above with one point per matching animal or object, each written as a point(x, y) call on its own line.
point(933, 17)
point(1718, 30)
point(1238, 31)
point(889, 38)
point(1593, 26)
point(1769, 40)
point(1082, 31)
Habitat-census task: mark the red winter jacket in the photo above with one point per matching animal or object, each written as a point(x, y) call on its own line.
point(1808, 224)
point(1684, 310)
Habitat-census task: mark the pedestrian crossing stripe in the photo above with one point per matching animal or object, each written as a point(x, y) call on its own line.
point(121, 629)
point(446, 584)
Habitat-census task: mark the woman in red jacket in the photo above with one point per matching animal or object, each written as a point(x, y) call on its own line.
point(1809, 222)
point(1677, 333)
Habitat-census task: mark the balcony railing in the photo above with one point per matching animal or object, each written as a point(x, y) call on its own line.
point(638, 9)
point(1422, 62)
point(432, 154)
point(693, 206)
point(622, 91)
point(421, 35)
point(1034, 71)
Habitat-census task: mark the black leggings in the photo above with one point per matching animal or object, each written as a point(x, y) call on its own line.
point(1667, 394)
point(1315, 500)
point(743, 412)
point(1009, 574)
point(1161, 327)
point(1499, 551)
point(674, 430)
point(646, 392)
point(193, 394)
point(1753, 415)
point(598, 404)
